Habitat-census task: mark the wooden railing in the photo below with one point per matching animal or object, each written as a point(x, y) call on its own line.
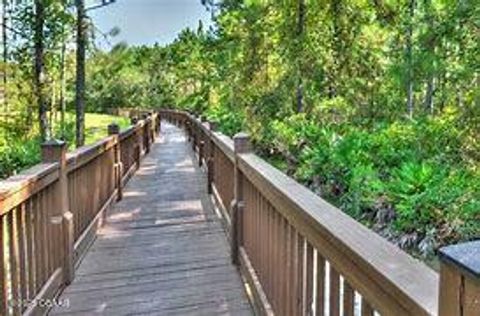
point(301, 256)
point(49, 214)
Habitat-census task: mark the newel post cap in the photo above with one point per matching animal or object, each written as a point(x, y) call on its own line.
point(213, 126)
point(54, 150)
point(241, 143)
point(464, 256)
point(113, 129)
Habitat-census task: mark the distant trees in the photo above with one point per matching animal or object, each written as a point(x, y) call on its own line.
point(410, 58)
point(45, 65)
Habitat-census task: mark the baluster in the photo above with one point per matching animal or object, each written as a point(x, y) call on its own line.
point(367, 309)
point(320, 297)
point(268, 252)
point(285, 262)
point(300, 257)
point(39, 258)
point(30, 248)
point(334, 292)
point(14, 260)
point(3, 269)
point(21, 224)
point(308, 300)
point(348, 299)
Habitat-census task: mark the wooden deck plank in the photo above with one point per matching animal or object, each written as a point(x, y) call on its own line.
point(162, 250)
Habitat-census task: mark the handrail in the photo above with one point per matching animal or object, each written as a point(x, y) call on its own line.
point(84, 154)
point(16, 189)
point(286, 240)
point(49, 213)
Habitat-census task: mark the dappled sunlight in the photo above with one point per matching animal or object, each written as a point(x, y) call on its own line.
point(101, 308)
point(125, 215)
point(174, 221)
point(112, 232)
point(127, 194)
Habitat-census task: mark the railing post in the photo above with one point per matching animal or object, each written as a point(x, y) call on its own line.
point(241, 143)
point(152, 128)
point(189, 130)
point(201, 143)
point(158, 124)
point(114, 130)
point(210, 160)
point(138, 142)
point(460, 280)
point(146, 133)
point(56, 151)
point(194, 133)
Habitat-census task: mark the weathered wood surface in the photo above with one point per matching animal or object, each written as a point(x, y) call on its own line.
point(162, 250)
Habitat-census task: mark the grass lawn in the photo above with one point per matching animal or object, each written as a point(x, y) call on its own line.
point(95, 126)
point(21, 152)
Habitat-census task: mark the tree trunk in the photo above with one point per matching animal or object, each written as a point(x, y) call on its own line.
point(429, 94)
point(477, 96)
point(5, 58)
point(431, 48)
point(300, 35)
point(39, 69)
point(62, 80)
point(409, 57)
point(80, 80)
point(336, 46)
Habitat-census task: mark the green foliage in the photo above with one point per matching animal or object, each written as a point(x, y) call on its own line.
point(18, 154)
point(230, 121)
point(20, 151)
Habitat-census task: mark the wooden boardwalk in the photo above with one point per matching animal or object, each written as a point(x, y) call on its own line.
point(162, 250)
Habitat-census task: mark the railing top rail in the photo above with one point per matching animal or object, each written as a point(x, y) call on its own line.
point(224, 142)
point(84, 154)
point(126, 132)
point(17, 189)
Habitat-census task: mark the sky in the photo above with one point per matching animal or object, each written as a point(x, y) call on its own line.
point(147, 21)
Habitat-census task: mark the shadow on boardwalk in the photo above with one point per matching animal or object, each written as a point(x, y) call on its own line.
point(162, 250)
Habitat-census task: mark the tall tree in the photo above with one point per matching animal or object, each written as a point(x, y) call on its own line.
point(63, 103)
point(409, 57)
point(39, 75)
point(80, 78)
point(300, 34)
point(5, 56)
